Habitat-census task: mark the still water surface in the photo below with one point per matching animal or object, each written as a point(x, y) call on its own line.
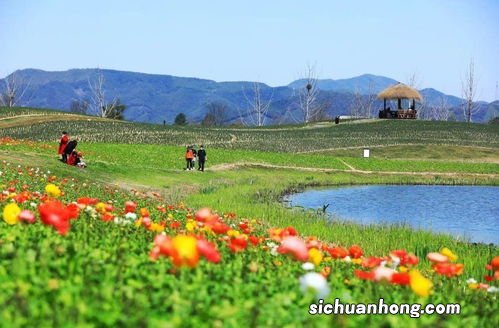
point(471, 212)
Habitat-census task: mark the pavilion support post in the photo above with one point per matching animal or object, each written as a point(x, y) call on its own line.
point(384, 104)
point(399, 103)
point(413, 104)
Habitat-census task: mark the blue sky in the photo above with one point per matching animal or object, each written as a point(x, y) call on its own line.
point(268, 41)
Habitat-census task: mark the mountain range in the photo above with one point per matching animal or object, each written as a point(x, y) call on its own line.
point(156, 98)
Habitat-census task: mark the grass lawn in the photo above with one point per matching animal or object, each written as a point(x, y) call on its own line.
point(100, 273)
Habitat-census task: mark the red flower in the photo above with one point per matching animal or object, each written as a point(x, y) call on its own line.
point(73, 210)
point(237, 244)
point(244, 228)
point(54, 213)
point(337, 252)
point(107, 217)
point(371, 262)
point(163, 244)
point(219, 227)
point(400, 278)
point(175, 224)
point(22, 197)
point(364, 275)
point(208, 250)
point(448, 269)
point(288, 231)
point(130, 207)
point(87, 201)
point(405, 259)
point(494, 263)
point(254, 240)
point(489, 278)
point(355, 251)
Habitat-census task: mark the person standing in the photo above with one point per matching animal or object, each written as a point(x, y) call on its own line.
point(201, 158)
point(194, 157)
point(188, 158)
point(62, 146)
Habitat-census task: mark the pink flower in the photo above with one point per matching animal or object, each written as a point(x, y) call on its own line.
point(294, 246)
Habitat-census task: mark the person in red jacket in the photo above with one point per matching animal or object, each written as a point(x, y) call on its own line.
point(62, 146)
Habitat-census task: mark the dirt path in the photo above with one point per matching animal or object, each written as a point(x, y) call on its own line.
point(232, 166)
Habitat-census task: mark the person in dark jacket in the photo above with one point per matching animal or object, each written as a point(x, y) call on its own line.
point(70, 147)
point(202, 157)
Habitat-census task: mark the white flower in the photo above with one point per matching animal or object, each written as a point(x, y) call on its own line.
point(395, 261)
point(273, 251)
point(347, 259)
point(493, 289)
point(315, 282)
point(33, 204)
point(383, 273)
point(471, 281)
point(131, 216)
point(307, 266)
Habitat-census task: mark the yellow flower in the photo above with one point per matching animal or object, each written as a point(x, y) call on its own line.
point(233, 233)
point(315, 256)
point(419, 284)
point(100, 207)
point(473, 286)
point(11, 213)
point(447, 252)
point(157, 227)
point(357, 261)
point(53, 190)
point(190, 225)
point(186, 251)
point(402, 268)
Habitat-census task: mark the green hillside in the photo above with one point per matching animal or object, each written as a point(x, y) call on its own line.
point(100, 273)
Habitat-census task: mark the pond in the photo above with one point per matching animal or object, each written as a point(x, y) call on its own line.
point(469, 212)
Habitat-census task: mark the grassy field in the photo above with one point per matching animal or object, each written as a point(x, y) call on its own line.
point(100, 273)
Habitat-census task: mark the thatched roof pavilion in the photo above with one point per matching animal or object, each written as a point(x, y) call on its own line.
point(399, 91)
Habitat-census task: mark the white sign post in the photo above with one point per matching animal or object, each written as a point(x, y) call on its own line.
point(366, 152)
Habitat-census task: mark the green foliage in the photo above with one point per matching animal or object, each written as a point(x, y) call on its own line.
point(180, 119)
point(100, 274)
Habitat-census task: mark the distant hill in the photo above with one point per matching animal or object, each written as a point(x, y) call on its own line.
point(363, 84)
point(154, 98)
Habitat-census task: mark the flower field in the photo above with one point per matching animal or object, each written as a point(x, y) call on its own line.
point(133, 240)
point(272, 139)
point(75, 252)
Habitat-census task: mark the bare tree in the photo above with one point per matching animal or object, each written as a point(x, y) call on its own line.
point(258, 105)
point(425, 112)
point(79, 106)
point(441, 110)
point(14, 91)
point(216, 115)
point(469, 89)
point(99, 105)
point(363, 105)
point(307, 96)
